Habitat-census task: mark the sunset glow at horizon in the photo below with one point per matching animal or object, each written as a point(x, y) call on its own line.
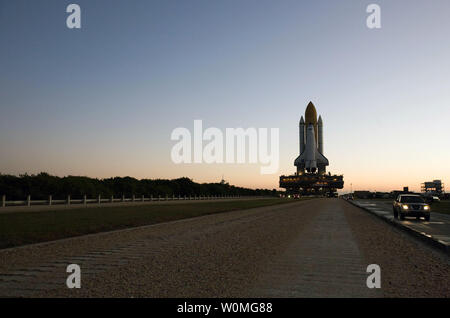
point(103, 101)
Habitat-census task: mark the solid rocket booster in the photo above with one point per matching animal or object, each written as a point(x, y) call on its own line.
point(320, 132)
point(302, 135)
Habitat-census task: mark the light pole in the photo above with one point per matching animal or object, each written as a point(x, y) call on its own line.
point(351, 188)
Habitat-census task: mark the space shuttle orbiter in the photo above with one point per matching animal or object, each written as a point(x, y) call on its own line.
point(311, 158)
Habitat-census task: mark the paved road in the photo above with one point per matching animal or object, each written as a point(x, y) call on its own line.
point(310, 248)
point(438, 226)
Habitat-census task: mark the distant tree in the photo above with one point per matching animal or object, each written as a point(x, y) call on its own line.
point(42, 185)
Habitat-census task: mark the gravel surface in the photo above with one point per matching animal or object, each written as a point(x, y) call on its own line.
point(230, 255)
point(409, 268)
point(214, 255)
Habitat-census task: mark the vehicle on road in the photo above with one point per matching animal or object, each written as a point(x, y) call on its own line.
point(432, 199)
point(410, 205)
point(435, 199)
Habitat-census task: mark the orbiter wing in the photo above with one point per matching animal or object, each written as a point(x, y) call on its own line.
point(320, 159)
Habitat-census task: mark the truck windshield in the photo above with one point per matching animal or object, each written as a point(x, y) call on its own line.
point(412, 200)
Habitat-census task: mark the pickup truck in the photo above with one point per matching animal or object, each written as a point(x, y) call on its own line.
point(411, 205)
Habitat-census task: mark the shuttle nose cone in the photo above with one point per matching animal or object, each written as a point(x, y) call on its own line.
point(311, 114)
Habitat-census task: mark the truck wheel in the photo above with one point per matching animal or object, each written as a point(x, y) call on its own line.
point(427, 218)
point(402, 216)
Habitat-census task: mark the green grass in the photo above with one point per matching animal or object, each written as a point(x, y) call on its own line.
point(32, 227)
point(441, 207)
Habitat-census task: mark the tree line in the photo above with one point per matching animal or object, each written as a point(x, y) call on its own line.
point(40, 186)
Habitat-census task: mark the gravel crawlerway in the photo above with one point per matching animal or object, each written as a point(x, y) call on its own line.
point(310, 248)
point(410, 268)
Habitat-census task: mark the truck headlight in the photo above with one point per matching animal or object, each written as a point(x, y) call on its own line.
point(426, 207)
point(404, 207)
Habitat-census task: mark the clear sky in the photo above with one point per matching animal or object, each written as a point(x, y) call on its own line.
point(102, 101)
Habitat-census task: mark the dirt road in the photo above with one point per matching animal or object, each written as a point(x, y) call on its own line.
point(315, 248)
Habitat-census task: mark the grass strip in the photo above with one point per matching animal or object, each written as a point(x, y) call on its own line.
point(33, 227)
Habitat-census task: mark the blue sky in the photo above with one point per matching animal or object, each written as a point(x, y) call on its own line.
point(102, 101)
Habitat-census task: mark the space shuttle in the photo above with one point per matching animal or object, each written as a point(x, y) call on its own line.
point(311, 158)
